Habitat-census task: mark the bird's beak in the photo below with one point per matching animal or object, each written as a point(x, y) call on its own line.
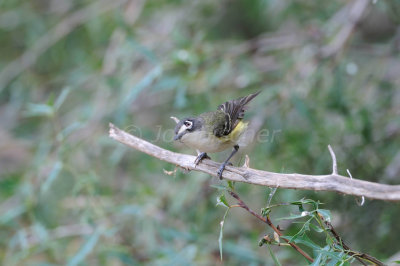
point(179, 136)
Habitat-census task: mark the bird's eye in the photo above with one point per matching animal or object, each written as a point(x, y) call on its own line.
point(188, 124)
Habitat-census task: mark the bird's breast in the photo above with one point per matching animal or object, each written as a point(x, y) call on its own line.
point(206, 142)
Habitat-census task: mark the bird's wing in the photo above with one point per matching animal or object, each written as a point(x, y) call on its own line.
point(234, 111)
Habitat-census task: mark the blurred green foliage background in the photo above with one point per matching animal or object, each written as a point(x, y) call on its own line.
point(71, 195)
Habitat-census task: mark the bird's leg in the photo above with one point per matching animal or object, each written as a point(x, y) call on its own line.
point(222, 167)
point(200, 157)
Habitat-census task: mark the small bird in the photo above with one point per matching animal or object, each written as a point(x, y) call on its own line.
point(215, 131)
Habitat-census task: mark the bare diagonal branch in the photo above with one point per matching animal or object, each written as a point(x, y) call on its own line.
point(358, 255)
point(329, 182)
point(269, 222)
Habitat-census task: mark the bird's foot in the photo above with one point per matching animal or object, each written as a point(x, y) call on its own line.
point(201, 157)
point(222, 168)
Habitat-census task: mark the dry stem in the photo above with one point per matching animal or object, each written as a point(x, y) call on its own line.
point(270, 224)
point(340, 241)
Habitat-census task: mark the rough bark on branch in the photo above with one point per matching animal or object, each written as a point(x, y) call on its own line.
point(329, 182)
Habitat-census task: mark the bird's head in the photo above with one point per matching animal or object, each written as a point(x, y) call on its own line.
point(185, 126)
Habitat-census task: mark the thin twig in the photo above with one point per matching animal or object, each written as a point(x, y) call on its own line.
point(360, 201)
point(328, 182)
point(268, 221)
point(334, 162)
point(355, 11)
point(268, 42)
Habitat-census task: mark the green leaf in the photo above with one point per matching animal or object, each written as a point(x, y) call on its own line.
point(326, 214)
point(316, 228)
point(69, 129)
point(265, 211)
point(85, 250)
point(145, 82)
point(61, 98)
point(148, 54)
point(317, 260)
point(303, 201)
point(39, 110)
point(221, 200)
point(52, 176)
point(303, 229)
point(332, 254)
point(329, 240)
point(231, 184)
point(332, 258)
point(396, 261)
point(219, 187)
point(12, 213)
point(221, 233)
point(306, 201)
point(273, 256)
point(292, 217)
point(305, 240)
point(332, 262)
point(40, 232)
point(50, 99)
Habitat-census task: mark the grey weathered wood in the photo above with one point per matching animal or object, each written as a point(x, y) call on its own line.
point(329, 182)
